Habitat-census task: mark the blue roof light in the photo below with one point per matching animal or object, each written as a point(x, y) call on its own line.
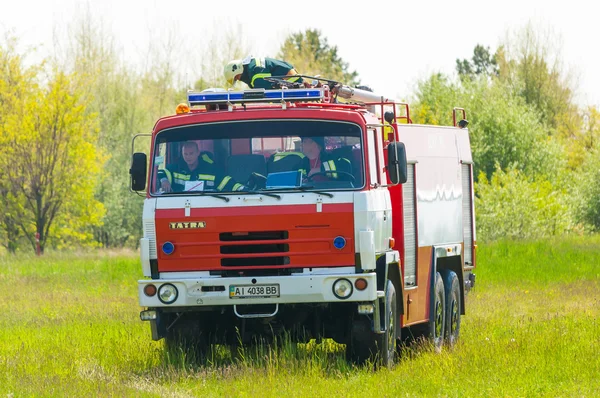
point(239, 97)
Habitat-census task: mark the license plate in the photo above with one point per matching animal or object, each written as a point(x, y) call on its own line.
point(253, 291)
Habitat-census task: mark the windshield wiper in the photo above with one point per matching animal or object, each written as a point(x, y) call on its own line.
point(305, 188)
point(200, 193)
point(273, 195)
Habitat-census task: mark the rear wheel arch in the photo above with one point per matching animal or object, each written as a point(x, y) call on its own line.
point(446, 264)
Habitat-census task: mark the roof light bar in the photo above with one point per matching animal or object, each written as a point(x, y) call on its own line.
point(261, 95)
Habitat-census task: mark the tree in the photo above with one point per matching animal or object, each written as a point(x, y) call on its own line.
point(311, 54)
point(15, 86)
point(530, 62)
point(51, 162)
point(222, 46)
point(483, 63)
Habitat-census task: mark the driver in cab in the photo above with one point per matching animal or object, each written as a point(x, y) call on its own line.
point(195, 173)
point(322, 165)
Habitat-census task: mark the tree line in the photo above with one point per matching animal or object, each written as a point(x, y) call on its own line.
point(66, 125)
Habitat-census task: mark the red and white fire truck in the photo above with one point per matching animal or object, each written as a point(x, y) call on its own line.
point(369, 257)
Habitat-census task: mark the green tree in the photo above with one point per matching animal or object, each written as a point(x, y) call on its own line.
point(51, 163)
point(504, 129)
point(587, 193)
point(15, 85)
point(482, 63)
point(530, 62)
point(311, 54)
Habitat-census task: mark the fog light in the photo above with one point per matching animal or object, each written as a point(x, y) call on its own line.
point(361, 283)
point(364, 309)
point(168, 248)
point(167, 293)
point(339, 242)
point(150, 290)
point(148, 315)
point(342, 288)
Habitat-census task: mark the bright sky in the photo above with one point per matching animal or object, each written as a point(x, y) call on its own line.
point(391, 43)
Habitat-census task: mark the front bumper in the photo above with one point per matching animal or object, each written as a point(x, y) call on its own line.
point(204, 292)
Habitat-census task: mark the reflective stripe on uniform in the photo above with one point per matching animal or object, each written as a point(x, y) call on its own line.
point(237, 187)
point(330, 166)
point(207, 159)
point(206, 177)
point(260, 62)
point(259, 76)
point(281, 155)
point(223, 183)
point(169, 175)
point(179, 176)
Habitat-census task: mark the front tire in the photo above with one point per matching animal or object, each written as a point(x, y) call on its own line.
point(186, 339)
point(366, 345)
point(386, 342)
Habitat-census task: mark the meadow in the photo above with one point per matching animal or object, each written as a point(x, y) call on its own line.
point(69, 326)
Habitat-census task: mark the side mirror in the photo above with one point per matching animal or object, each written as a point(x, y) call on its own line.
point(397, 163)
point(138, 171)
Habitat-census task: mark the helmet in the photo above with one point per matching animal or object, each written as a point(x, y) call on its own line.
point(232, 69)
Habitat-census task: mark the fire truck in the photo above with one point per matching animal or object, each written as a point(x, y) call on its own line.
point(369, 256)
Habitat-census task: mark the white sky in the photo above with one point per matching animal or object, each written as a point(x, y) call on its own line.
point(391, 44)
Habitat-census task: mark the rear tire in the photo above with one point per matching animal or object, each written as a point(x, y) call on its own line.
point(453, 307)
point(434, 330)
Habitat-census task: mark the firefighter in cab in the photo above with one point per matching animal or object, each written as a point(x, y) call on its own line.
point(195, 173)
point(254, 70)
point(314, 161)
point(323, 163)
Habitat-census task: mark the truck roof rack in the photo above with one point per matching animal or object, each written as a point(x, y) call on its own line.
point(256, 96)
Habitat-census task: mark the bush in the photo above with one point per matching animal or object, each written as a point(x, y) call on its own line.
point(509, 205)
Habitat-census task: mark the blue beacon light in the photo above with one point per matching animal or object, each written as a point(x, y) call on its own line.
point(168, 248)
point(339, 242)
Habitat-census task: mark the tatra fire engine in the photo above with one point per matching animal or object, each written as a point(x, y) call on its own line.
point(262, 240)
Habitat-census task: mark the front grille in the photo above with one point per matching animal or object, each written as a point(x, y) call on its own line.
point(255, 261)
point(258, 235)
point(260, 248)
point(254, 243)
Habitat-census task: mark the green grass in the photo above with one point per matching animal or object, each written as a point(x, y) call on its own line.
point(69, 326)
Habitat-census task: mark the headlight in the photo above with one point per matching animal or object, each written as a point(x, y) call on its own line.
point(342, 288)
point(167, 293)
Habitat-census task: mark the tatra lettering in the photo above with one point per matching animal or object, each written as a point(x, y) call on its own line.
point(187, 225)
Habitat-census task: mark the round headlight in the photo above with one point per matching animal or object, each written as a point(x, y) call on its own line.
point(342, 288)
point(339, 242)
point(168, 248)
point(167, 293)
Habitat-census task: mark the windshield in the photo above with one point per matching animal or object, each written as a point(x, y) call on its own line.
point(258, 156)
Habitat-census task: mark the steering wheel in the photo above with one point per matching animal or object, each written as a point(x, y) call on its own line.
point(345, 173)
point(256, 181)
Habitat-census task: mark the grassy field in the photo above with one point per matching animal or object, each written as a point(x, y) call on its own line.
point(69, 326)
